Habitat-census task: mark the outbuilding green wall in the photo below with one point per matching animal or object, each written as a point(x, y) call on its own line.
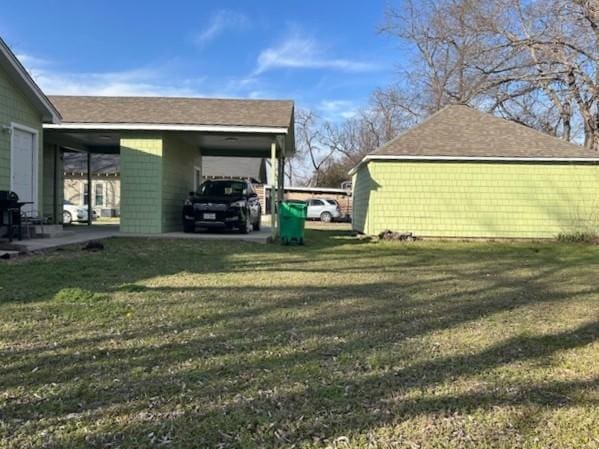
point(16, 108)
point(156, 176)
point(457, 199)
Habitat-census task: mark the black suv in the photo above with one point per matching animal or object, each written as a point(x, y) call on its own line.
point(226, 203)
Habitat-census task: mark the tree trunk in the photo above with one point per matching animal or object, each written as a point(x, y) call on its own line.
point(566, 114)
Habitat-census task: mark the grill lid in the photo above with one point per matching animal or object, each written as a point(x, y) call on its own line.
point(8, 196)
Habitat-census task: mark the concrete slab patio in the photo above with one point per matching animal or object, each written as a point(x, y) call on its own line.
point(83, 234)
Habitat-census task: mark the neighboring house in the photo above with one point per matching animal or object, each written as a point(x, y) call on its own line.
point(106, 182)
point(463, 173)
point(27, 167)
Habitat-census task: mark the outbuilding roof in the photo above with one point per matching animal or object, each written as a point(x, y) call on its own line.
point(463, 131)
point(459, 132)
point(174, 111)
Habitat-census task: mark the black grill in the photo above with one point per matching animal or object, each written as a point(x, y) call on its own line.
point(10, 206)
point(8, 199)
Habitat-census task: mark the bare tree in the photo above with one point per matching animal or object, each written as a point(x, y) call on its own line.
point(533, 61)
point(309, 132)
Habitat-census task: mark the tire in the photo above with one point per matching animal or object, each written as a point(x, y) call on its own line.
point(258, 221)
point(67, 218)
point(326, 217)
point(245, 227)
point(188, 226)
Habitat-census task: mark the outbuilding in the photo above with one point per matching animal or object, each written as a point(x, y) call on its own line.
point(464, 173)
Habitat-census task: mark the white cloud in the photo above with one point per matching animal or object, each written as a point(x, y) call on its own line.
point(134, 82)
point(138, 82)
point(301, 52)
point(221, 21)
point(335, 110)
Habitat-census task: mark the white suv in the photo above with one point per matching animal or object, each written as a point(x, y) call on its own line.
point(324, 210)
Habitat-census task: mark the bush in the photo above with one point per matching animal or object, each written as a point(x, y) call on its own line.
point(578, 237)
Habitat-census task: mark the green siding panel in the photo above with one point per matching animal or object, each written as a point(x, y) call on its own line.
point(476, 199)
point(15, 107)
point(179, 159)
point(141, 184)
point(53, 173)
point(156, 177)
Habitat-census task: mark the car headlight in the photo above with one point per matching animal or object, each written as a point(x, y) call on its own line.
point(187, 202)
point(240, 203)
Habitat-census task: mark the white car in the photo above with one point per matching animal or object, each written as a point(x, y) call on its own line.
point(324, 210)
point(72, 213)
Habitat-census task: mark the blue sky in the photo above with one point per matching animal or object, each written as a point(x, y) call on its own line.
point(324, 54)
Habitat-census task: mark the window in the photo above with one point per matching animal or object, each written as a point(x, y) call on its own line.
point(84, 191)
point(99, 190)
point(99, 194)
point(222, 188)
point(316, 203)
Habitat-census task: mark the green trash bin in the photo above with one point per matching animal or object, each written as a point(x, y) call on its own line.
point(292, 217)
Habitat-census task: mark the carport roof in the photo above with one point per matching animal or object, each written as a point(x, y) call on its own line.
point(174, 111)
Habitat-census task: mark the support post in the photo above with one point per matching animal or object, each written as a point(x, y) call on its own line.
point(56, 217)
point(273, 193)
point(89, 188)
point(281, 179)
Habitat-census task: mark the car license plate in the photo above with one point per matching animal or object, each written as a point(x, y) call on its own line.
point(209, 216)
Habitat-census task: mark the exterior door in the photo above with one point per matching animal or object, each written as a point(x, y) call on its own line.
point(24, 167)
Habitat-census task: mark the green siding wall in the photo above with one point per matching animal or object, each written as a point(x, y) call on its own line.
point(15, 107)
point(156, 176)
point(141, 184)
point(53, 173)
point(361, 183)
point(476, 199)
point(179, 159)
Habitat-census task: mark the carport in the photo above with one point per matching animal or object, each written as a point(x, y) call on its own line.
point(161, 142)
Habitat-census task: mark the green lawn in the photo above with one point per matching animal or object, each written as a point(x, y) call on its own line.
point(341, 344)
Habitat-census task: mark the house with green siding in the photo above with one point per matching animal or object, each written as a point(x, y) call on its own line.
point(161, 142)
point(26, 165)
point(464, 173)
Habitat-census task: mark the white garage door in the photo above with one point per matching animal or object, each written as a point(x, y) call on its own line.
point(24, 167)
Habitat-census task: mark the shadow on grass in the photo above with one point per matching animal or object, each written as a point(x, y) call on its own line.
point(265, 365)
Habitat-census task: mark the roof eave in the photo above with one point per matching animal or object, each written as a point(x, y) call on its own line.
point(373, 157)
point(167, 127)
point(29, 87)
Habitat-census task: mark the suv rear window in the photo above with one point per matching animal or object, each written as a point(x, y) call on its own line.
point(222, 188)
point(332, 202)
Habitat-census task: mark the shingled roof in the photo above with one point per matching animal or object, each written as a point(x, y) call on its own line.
point(174, 111)
point(461, 131)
